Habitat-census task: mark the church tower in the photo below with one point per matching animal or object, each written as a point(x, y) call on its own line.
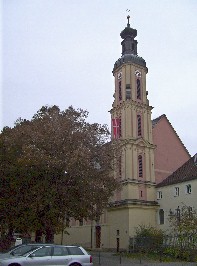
point(136, 203)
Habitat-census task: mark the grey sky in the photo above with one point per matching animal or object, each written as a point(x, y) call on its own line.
point(62, 52)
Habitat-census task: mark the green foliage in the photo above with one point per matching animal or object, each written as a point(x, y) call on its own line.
point(184, 234)
point(148, 239)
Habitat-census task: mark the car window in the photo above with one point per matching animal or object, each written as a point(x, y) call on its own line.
point(13, 248)
point(23, 249)
point(60, 251)
point(75, 251)
point(42, 252)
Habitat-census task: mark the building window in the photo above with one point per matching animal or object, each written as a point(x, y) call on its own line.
point(176, 191)
point(161, 216)
point(140, 166)
point(178, 214)
point(120, 91)
point(139, 125)
point(128, 92)
point(159, 194)
point(138, 89)
point(188, 189)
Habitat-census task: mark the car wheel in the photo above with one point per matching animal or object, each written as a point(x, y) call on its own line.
point(14, 264)
point(75, 264)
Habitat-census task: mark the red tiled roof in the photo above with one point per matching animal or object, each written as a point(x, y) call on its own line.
point(187, 172)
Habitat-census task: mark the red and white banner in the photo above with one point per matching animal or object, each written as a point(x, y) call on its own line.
point(115, 127)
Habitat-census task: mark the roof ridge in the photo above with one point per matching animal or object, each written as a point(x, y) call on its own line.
point(186, 172)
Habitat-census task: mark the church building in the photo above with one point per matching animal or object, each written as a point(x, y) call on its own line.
point(148, 155)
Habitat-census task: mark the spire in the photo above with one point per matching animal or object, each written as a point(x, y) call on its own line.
point(129, 45)
point(128, 25)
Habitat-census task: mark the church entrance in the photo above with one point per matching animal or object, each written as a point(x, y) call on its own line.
point(117, 244)
point(98, 236)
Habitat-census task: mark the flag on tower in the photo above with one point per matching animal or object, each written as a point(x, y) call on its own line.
point(115, 125)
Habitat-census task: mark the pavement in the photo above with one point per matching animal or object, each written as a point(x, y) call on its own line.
point(110, 259)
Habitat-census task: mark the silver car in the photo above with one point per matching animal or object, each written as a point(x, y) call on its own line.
point(55, 255)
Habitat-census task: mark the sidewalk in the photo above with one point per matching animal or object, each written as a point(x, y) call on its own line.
point(110, 259)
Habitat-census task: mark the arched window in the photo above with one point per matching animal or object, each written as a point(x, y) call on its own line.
point(161, 216)
point(120, 127)
point(139, 125)
point(138, 89)
point(120, 91)
point(120, 166)
point(140, 166)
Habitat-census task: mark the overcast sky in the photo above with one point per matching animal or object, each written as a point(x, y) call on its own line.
point(62, 52)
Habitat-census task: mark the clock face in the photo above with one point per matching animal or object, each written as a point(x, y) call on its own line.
point(119, 75)
point(138, 73)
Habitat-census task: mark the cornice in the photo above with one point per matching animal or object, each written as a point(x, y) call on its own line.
point(130, 104)
point(131, 203)
point(137, 182)
point(138, 142)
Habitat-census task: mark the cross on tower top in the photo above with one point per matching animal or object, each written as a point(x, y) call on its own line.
point(128, 17)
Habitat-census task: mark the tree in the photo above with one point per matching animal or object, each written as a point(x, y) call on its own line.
point(148, 239)
point(54, 165)
point(183, 231)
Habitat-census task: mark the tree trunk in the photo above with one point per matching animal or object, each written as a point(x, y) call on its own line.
point(49, 235)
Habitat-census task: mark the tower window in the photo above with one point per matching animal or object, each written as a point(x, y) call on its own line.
point(128, 92)
point(120, 91)
point(120, 166)
point(120, 127)
point(139, 125)
point(138, 89)
point(140, 166)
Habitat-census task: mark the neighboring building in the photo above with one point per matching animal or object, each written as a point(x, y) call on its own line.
point(138, 170)
point(176, 191)
point(170, 153)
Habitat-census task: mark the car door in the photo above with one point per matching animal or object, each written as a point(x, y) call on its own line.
point(39, 257)
point(60, 256)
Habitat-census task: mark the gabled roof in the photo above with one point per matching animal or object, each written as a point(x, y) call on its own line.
point(187, 172)
point(158, 119)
